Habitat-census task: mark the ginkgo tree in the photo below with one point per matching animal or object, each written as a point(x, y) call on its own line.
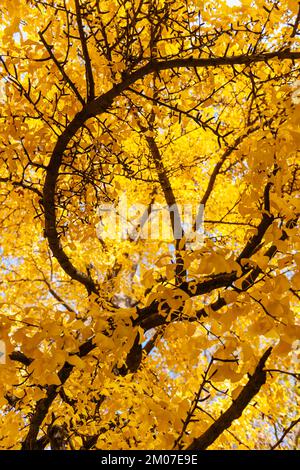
point(134, 341)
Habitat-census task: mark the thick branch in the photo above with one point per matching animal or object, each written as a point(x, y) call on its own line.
point(49, 204)
point(242, 59)
point(236, 409)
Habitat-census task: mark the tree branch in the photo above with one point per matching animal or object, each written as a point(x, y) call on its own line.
point(87, 61)
point(285, 432)
point(61, 69)
point(236, 409)
point(18, 356)
point(43, 405)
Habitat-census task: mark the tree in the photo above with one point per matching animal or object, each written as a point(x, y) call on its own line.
point(125, 341)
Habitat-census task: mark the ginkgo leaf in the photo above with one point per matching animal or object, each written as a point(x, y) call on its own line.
point(76, 361)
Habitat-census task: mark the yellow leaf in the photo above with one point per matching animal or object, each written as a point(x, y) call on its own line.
point(76, 361)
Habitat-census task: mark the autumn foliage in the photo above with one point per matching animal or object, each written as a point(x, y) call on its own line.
point(132, 341)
